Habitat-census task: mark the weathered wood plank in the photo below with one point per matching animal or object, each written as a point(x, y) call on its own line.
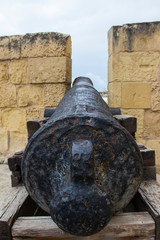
point(13, 205)
point(148, 155)
point(14, 162)
point(110, 238)
point(121, 226)
point(16, 179)
point(149, 173)
point(128, 122)
point(9, 210)
point(11, 201)
point(149, 192)
point(34, 125)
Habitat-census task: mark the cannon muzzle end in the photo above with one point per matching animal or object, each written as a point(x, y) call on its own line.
point(81, 210)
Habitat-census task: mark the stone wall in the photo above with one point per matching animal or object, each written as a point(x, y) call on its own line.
point(134, 77)
point(35, 73)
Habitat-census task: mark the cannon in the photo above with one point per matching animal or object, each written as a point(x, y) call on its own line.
point(82, 166)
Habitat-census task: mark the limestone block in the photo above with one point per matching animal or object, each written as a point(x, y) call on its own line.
point(136, 95)
point(49, 70)
point(14, 119)
point(49, 44)
point(3, 140)
point(110, 69)
point(151, 124)
point(134, 67)
point(111, 36)
point(155, 145)
point(29, 95)
point(68, 70)
point(141, 140)
point(7, 95)
point(18, 141)
point(18, 71)
point(155, 96)
point(10, 47)
point(3, 72)
point(139, 114)
point(134, 37)
point(114, 95)
point(34, 113)
point(0, 118)
point(53, 93)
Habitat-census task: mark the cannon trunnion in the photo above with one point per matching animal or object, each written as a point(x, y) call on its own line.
point(82, 166)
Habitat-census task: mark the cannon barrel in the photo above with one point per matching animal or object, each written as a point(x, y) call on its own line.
point(82, 166)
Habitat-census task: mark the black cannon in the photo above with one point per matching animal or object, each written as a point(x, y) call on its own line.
point(82, 166)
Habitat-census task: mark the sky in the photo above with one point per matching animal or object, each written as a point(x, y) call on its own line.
point(87, 21)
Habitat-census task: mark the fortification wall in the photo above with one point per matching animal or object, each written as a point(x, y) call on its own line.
point(35, 73)
point(134, 77)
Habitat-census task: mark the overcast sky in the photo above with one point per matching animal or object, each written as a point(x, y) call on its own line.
point(87, 21)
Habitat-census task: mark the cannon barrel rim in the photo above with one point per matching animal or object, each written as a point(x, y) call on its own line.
point(83, 81)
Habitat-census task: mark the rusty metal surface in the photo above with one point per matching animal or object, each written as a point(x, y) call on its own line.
point(82, 166)
point(49, 111)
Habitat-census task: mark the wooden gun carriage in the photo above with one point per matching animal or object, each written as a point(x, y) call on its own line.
point(96, 128)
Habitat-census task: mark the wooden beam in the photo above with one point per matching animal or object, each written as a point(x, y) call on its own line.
point(148, 155)
point(124, 225)
point(149, 173)
point(149, 193)
point(14, 164)
point(84, 238)
point(10, 206)
point(34, 125)
point(128, 122)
